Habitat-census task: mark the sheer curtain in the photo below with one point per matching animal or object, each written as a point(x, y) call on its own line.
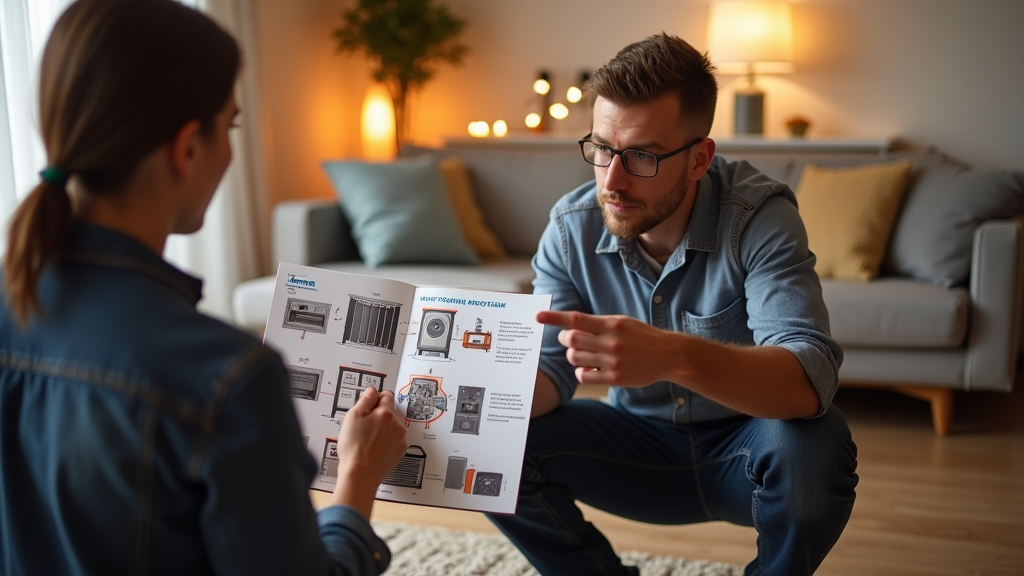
point(229, 248)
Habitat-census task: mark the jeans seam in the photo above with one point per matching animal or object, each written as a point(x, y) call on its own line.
point(755, 506)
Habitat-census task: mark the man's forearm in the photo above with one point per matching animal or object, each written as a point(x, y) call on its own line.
point(545, 396)
point(763, 381)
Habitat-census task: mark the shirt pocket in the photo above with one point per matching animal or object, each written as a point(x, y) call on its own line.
point(726, 325)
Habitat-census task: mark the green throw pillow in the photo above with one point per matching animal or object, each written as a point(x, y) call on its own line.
point(399, 212)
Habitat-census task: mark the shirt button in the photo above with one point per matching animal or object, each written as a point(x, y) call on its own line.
point(681, 400)
point(657, 298)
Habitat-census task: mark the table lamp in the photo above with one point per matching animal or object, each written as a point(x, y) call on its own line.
point(750, 37)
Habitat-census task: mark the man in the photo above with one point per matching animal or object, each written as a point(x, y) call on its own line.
point(684, 281)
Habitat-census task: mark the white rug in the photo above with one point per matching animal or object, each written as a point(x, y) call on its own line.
point(429, 551)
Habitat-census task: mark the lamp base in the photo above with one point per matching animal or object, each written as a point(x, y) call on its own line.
point(749, 117)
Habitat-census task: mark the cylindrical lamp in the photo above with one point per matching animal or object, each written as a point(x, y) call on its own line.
point(750, 37)
point(377, 124)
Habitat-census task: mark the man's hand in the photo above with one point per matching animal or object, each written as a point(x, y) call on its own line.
point(615, 350)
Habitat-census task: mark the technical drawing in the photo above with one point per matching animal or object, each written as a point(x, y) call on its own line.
point(306, 315)
point(435, 336)
point(487, 484)
point(329, 462)
point(455, 475)
point(305, 382)
point(351, 383)
point(468, 409)
point(409, 471)
point(371, 323)
point(477, 339)
point(424, 398)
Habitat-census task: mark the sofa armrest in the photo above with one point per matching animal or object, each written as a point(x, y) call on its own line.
point(311, 232)
point(996, 274)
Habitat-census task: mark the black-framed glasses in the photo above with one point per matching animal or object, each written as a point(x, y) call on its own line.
point(636, 162)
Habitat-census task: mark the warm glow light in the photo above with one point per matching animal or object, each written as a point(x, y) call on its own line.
point(745, 34)
point(500, 128)
point(541, 86)
point(532, 120)
point(377, 124)
point(573, 94)
point(479, 129)
point(558, 111)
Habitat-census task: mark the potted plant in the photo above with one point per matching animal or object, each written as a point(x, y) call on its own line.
point(406, 40)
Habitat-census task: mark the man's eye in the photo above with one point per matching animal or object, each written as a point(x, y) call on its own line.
point(602, 149)
point(642, 156)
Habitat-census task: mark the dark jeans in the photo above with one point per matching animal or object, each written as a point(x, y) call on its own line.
point(792, 480)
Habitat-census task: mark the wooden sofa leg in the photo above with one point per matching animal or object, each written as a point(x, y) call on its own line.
point(941, 400)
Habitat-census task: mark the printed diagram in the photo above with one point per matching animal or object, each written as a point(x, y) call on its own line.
point(329, 463)
point(371, 323)
point(467, 410)
point(459, 476)
point(351, 383)
point(477, 339)
point(424, 399)
point(435, 337)
point(409, 471)
point(306, 315)
point(305, 382)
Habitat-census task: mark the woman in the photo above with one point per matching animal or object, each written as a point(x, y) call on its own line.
point(137, 435)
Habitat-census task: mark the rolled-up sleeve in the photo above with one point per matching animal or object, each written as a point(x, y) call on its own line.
point(784, 298)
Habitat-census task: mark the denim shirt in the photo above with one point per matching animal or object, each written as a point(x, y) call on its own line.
point(140, 436)
point(742, 275)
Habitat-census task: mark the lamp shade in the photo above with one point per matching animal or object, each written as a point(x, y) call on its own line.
point(377, 124)
point(751, 36)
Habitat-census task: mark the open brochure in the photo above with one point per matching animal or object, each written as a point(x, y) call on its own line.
point(462, 364)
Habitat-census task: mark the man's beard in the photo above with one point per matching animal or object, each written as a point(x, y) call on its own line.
point(649, 216)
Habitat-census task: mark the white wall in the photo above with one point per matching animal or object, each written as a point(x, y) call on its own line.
point(948, 73)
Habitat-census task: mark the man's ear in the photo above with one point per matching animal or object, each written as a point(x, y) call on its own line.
point(703, 153)
point(183, 148)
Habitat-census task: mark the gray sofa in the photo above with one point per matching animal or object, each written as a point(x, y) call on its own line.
point(912, 335)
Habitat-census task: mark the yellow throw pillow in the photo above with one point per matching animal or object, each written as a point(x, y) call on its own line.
point(471, 218)
point(849, 215)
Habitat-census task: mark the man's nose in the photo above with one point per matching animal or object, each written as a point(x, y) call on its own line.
point(616, 177)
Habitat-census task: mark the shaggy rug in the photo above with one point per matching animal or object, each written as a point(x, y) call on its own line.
point(429, 551)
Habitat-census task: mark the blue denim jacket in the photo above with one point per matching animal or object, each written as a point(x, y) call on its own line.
point(742, 274)
point(140, 436)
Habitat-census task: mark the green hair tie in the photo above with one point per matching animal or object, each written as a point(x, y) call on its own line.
point(54, 176)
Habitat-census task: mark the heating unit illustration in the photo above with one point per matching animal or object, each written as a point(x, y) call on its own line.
point(305, 382)
point(435, 334)
point(329, 462)
point(306, 315)
point(409, 471)
point(477, 339)
point(459, 477)
point(351, 382)
point(467, 410)
point(371, 323)
point(424, 399)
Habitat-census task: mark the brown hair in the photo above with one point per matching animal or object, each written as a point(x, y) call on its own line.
point(118, 79)
point(659, 65)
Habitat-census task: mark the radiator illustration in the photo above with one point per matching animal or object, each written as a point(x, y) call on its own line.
point(371, 323)
point(305, 382)
point(329, 462)
point(468, 409)
point(409, 471)
point(424, 399)
point(306, 315)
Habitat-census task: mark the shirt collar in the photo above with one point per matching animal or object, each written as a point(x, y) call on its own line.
point(90, 243)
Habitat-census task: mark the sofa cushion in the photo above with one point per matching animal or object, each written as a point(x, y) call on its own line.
point(934, 233)
point(848, 213)
point(517, 187)
point(896, 312)
point(399, 212)
point(252, 298)
point(471, 219)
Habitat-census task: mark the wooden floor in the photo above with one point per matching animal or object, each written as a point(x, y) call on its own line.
point(925, 506)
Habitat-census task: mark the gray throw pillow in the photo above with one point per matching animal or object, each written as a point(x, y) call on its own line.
point(934, 233)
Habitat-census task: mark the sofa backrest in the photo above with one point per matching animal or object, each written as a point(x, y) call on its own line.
point(516, 187)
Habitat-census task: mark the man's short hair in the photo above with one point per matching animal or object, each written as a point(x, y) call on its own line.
point(659, 65)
